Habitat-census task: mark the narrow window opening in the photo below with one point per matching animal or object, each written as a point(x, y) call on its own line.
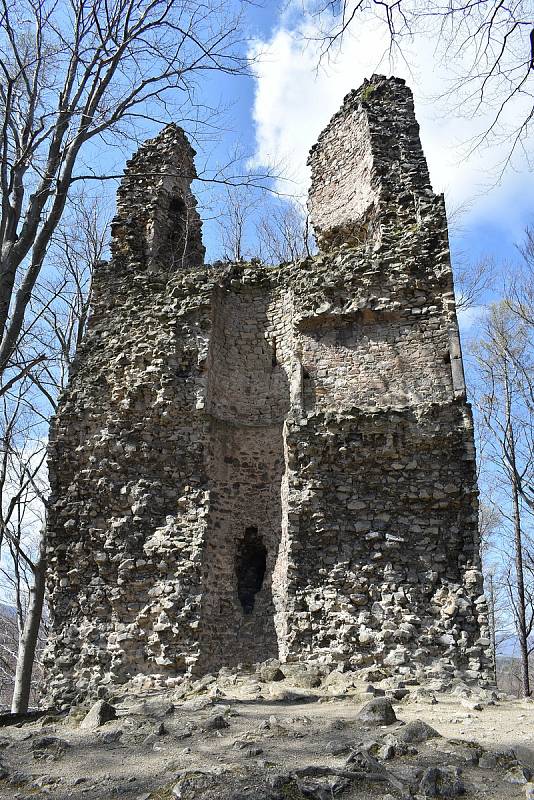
point(447, 357)
point(251, 559)
point(177, 216)
point(274, 360)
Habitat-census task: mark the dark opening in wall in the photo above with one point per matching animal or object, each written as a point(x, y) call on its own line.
point(177, 216)
point(251, 558)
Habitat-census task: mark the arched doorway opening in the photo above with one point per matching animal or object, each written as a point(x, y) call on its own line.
point(251, 561)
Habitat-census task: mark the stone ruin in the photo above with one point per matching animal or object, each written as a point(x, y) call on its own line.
point(255, 462)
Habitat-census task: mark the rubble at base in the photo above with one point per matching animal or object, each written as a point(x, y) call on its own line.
point(239, 736)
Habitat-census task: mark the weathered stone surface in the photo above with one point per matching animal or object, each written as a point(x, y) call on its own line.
point(301, 677)
point(518, 774)
point(254, 463)
point(100, 713)
point(270, 671)
point(217, 722)
point(416, 732)
point(49, 747)
point(378, 712)
point(441, 782)
point(193, 783)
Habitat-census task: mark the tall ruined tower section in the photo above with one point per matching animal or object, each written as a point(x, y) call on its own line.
point(254, 462)
point(125, 452)
point(384, 458)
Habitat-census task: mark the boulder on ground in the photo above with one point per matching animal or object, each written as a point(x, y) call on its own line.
point(287, 696)
point(340, 681)
point(195, 783)
point(270, 671)
point(441, 782)
point(302, 676)
point(416, 732)
point(518, 774)
point(523, 753)
point(100, 713)
point(378, 712)
point(217, 722)
point(49, 748)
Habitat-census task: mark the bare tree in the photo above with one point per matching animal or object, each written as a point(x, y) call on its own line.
point(55, 323)
point(57, 316)
point(472, 280)
point(22, 489)
point(73, 75)
point(9, 638)
point(284, 233)
point(523, 614)
point(491, 595)
point(503, 357)
point(257, 224)
point(491, 46)
point(237, 208)
point(521, 289)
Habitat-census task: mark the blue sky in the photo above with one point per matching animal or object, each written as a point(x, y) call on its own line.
point(276, 115)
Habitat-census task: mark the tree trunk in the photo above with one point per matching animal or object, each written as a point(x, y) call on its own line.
point(492, 627)
point(29, 636)
point(521, 612)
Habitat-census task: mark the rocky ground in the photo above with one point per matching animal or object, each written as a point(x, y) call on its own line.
point(270, 736)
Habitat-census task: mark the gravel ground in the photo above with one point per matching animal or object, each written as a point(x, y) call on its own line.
point(240, 739)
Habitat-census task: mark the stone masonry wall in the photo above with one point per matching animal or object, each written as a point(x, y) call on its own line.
point(255, 462)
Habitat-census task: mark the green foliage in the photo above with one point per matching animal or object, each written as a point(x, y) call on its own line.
point(367, 92)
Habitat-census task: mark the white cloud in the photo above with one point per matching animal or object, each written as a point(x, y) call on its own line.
point(294, 101)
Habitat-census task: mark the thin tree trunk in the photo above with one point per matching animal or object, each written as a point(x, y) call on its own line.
point(30, 634)
point(521, 613)
point(492, 627)
point(510, 458)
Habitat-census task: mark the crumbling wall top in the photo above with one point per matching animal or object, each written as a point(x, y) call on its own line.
point(157, 224)
point(367, 163)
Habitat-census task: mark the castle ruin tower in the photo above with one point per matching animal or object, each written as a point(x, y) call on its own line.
point(122, 446)
point(157, 224)
point(256, 462)
point(384, 463)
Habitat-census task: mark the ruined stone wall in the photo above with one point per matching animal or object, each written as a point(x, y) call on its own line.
point(247, 383)
point(255, 462)
point(368, 168)
point(382, 361)
point(127, 455)
point(247, 400)
point(246, 465)
point(390, 577)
